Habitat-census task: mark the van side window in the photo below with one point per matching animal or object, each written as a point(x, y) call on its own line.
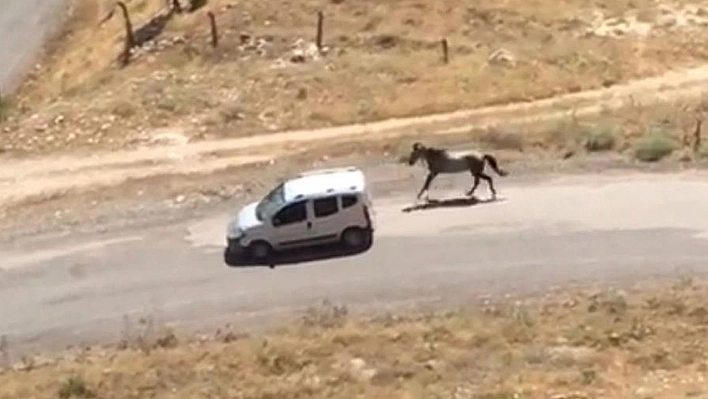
point(348, 200)
point(325, 206)
point(293, 213)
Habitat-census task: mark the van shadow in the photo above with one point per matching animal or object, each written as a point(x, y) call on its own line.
point(450, 203)
point(295, 257)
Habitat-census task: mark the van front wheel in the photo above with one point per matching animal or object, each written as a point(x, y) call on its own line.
point(355, 238)
point(260, 251)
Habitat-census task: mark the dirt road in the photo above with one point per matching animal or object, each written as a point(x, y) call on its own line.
point(75, 288)
point(24, 27)
point(59, 174)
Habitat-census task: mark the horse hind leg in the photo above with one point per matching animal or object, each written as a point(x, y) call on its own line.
point(474, 186)
point(490, 183)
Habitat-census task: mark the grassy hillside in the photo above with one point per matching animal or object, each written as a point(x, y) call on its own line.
point(380, 60)
point(648, 341)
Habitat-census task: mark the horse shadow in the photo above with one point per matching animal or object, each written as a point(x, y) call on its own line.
point(450, 203)
point(293, 257)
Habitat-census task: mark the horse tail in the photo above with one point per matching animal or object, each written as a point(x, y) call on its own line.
point(493, 163)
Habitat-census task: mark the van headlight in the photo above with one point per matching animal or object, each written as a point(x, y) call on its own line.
point(233, 231)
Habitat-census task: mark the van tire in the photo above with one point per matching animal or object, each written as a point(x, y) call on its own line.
point(260, 251)
point(356, 238)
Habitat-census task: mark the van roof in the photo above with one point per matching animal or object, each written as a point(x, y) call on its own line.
point(325, 181)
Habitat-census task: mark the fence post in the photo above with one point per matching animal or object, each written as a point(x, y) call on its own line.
point(214, 29)
point(320, 21)
point(697, 136)
point(129, 36)
point(176, 6)
point(445, 50)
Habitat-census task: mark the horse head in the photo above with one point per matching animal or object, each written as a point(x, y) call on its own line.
point(416, 153)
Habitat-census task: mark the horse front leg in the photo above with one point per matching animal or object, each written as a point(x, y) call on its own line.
point(426, 186)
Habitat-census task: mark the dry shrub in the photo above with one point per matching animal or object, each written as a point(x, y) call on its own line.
point(74, 387)
point(523, 349)
point(502, 140)
point(327, 315)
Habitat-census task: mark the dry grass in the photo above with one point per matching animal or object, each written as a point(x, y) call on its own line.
point(383, 61)
point(648, 341)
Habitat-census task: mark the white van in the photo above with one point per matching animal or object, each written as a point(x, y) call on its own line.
point(317, 207)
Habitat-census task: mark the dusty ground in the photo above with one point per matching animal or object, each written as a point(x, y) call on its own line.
point(646, 340)
point(177, 162)
point(547, 133)
point(382, 60)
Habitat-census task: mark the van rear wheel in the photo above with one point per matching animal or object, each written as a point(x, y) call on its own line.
point(355, 238)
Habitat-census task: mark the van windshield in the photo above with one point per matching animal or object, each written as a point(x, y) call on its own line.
point(271, 202)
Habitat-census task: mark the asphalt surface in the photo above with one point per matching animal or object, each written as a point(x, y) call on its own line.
point(24, 27)
point(71, 290)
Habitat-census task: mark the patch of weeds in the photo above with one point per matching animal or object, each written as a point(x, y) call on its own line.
point(501, 394)
point(536, 354)
point(502, 140)
point(702, 151)
point(124, 109)
point(588, 376)
point(657, 360)
point(74, 387)
point(327, 315)
point(168, 339)
point(167, 104)
point(654, 146)
point(3, 106)
point(614, 303)
point(567, 133)
point(230, 113)
point(277, 360)
point(601, 139)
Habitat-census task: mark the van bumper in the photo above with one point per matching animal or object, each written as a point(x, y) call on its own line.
point(233, 245)
point(234, 252)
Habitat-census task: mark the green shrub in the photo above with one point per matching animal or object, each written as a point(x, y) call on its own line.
point(602, 139)
point(654, 146)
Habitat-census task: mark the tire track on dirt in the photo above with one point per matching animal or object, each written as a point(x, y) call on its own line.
point(20, 180)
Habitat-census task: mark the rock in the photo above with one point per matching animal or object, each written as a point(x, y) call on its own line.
point(360, 371)
point(357, 364)
point(297, 57)
point(434, 365)
point(565, 355)
point(502, 57)
point(570, 395)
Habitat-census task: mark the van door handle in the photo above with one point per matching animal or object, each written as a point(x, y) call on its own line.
point(309, 225)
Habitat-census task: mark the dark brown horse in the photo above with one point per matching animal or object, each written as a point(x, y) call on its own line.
point(441, 161)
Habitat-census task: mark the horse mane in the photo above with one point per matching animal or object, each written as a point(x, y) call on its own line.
point(437, 151)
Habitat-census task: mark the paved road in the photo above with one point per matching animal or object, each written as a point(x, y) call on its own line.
point(549, 232)
point(24, 25)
